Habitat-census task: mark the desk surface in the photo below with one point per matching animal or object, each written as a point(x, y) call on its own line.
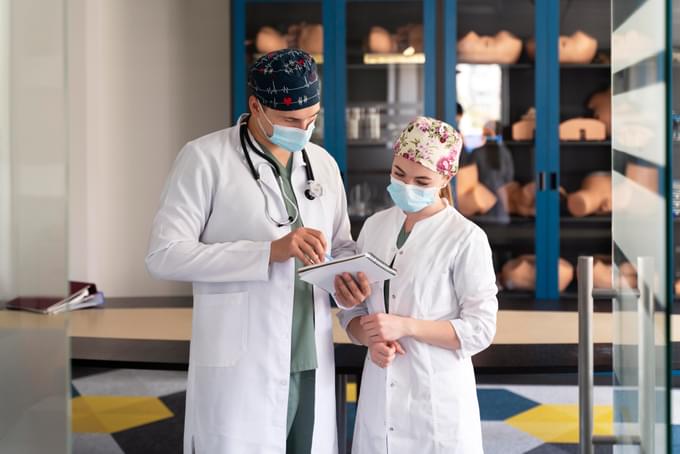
point(174, 324)
point(158, 334)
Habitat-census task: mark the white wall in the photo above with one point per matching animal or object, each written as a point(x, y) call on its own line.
point(145, 78)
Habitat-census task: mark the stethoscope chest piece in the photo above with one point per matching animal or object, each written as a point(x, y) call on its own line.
point(314, 190)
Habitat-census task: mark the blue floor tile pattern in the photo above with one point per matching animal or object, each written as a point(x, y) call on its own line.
point(501, 404)
point(497, 404)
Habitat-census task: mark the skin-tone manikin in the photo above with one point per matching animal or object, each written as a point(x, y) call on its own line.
point(503, 48)
point(520, 273)
point(473, 197)
point(601, 105)
point(590, 129)
point(579, 48)
point(595, 196)
point(269, 40)
point(308, 37)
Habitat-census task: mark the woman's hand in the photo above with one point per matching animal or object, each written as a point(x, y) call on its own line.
point(350, 292)
point(383, 353)
point(385, 327)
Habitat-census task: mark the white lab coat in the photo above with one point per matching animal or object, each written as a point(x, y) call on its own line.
point(211, 229)
point(425, 402)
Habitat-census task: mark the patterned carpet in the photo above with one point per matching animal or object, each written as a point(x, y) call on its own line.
point(141, 411)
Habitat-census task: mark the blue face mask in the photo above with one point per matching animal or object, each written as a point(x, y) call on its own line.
point(410, 198)
point(473, 141)
point(286, 137)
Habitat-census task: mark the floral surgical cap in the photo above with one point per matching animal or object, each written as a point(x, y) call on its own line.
point(431, 143)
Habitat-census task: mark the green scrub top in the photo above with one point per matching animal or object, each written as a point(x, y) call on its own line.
point(303, 344)
point(401, 239)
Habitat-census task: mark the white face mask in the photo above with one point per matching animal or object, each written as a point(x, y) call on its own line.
point(289, 138)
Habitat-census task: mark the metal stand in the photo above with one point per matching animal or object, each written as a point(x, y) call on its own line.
point(646, 401)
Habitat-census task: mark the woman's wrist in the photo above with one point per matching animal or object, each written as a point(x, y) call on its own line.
point(410, 327)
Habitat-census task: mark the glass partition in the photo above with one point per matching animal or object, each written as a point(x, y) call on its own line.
point(641, 215)
point(34, 348)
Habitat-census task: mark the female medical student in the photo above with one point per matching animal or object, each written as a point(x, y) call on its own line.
point(418, 392)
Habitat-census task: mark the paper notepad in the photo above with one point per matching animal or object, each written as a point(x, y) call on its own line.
point(323, 274)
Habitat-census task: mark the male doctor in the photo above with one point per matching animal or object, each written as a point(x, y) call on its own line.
point(242, 210)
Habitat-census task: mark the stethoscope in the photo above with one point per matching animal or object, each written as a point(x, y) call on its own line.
point(313, 189)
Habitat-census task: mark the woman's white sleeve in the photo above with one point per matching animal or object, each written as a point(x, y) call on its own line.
point(475, 286)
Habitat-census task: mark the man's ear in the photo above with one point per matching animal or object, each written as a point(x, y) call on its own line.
point(253, 104)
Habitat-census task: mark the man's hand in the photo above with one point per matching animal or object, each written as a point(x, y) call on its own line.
point(308, 245)
point(350, 292)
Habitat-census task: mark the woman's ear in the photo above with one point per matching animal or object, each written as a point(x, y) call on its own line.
point(447, 182)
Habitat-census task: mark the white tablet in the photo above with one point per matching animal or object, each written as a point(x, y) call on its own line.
point(323, 274)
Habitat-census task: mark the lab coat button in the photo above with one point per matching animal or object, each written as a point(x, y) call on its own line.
point(394, 297)
point(391, 429)
point(401, 252)
point(392, 385)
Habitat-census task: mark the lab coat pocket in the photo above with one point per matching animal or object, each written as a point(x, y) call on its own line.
point(446, 393)
point(220, 329)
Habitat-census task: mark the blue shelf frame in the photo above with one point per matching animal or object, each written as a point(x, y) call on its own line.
point(430, 49)
point(547, 149)
point(450, 59)
point(334, 99)
point(334, 95)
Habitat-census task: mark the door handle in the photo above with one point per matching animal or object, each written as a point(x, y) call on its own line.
point(646, 402)
point(547, 181)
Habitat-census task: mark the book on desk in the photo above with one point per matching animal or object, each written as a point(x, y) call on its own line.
point(81, 295)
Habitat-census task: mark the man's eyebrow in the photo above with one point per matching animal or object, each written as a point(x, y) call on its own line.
point(298, 119)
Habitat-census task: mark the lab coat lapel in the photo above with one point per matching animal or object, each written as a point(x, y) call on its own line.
point(315, 214)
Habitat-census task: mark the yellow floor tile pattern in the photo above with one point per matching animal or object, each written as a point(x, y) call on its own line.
point(109, 414)
point(351, 391)
point(559, 423)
